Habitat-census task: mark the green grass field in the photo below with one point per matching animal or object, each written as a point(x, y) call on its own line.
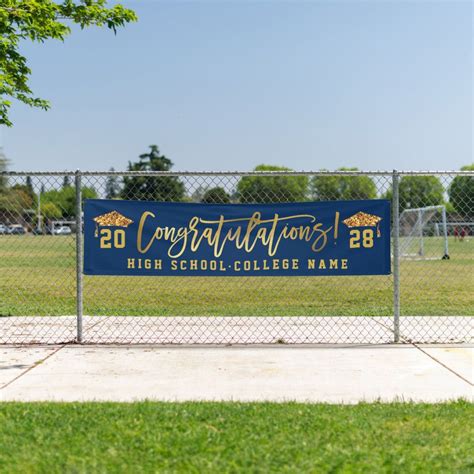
point(236, 437)
point(38, 278)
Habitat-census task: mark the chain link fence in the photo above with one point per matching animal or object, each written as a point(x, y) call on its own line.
point(44, 298)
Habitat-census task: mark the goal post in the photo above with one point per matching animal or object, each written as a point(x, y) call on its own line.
point(424, 233)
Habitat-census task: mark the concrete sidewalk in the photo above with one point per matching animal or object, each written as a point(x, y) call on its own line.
point(346, 374)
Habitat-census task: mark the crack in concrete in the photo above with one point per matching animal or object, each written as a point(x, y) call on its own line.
point(39, 362)
point(441, 363)
point(416, 346)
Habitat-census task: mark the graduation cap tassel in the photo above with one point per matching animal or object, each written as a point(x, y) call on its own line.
point(378, 229)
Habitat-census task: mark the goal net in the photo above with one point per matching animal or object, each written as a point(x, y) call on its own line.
point(424, 233)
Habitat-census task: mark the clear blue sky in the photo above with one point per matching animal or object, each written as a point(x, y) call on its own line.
point(229, 85)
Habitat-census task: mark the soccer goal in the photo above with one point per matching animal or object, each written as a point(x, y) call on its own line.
point(424, 233)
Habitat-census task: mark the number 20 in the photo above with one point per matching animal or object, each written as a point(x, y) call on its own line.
point(367, 238)
point(106, 238)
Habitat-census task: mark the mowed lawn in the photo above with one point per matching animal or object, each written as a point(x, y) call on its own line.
point(38, 278)
point(236, 437)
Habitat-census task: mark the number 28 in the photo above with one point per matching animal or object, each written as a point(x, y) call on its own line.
point(367, 238)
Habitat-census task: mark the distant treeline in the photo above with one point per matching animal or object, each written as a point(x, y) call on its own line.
point(59, 202)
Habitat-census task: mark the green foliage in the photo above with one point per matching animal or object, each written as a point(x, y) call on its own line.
point(268, 189)
point(152, 188)
point(15, 200)
point(216, 195)
point(49, 210)
point(112, 186)
point(3, 167)
point(39, 21)
point(337, 188)
point(66, 181)
point(198, 194)
point(65, 199)
point(27, 188)
point(419, 191)
point(461, 193)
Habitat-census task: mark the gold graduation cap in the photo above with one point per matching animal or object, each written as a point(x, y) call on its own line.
point(362, 219)
point(111, 219)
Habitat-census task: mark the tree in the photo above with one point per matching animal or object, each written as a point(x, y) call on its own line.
point(65, 199)
point(39, 21)
point(3, 167)
point(198, 193)
point(152, 188)
point(51, 211)
point(69, 199)
point(29, 185)
point(27, 190)
point(112, 186)
point(266, 189)
point(216, 195)
point(461, 193)
point(419, 191)
point(15, 200)
point(332, 188)
point(18, 198)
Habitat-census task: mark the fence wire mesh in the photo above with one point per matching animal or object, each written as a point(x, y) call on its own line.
point(38, 285)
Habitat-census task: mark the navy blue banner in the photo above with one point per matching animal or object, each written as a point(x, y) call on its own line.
point(307, 238)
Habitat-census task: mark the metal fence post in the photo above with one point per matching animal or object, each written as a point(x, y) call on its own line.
point(396, 255)
point(79, 281)
point(445, 233)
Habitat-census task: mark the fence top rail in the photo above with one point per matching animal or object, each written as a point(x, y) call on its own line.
point(236, 173)
point(426, 208)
